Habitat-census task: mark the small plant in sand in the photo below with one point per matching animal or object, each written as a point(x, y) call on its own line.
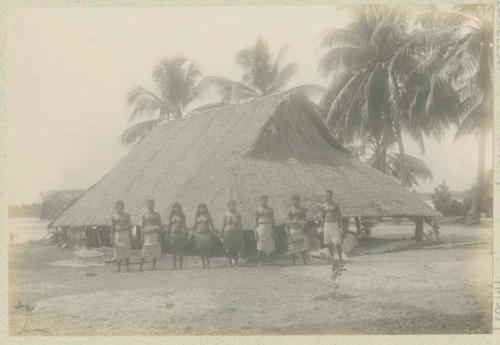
point(337, 270)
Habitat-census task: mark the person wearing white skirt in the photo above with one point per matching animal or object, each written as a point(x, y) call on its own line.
point(151, 228)
point(331, 225)
point(121, 229)
point(265, 229)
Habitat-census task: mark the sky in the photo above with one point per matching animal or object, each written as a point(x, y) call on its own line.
point(71, 68)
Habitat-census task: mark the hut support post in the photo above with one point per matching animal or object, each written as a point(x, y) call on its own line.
point(419, 229)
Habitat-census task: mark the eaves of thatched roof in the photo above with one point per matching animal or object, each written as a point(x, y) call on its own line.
point(275, 145)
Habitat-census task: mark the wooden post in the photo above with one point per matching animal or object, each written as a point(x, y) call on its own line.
point(419, 228)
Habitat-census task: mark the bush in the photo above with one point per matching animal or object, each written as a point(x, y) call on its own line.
point(444, 203)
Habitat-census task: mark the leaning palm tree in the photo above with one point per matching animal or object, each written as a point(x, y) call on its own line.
point(463, 39)
point(379, 89)
point(176, 82)
point(263, 74)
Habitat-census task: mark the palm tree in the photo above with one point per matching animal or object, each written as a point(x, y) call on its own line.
point(263, 74)
point(463, 39)
point(373, 154)
point(379, 87)
point(176, 82)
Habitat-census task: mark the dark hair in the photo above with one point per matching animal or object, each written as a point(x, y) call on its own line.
point(329, 191)
point(264, 196)
point(231, 201)
point(295, 197)
point(198, 209)
point(150, 201)
point(180, 213)
point(120, 202)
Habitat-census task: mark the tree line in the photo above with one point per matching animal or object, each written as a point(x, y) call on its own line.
point(393, 71)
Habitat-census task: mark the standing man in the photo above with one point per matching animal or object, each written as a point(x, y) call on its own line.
point(332, 225)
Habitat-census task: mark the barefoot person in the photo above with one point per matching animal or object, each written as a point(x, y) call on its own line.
point(297, 239)
point(231, 233)
point(332, 225)
point(265, 229)
point(151, 228)
point(121, 231)
point(177, 230)
point(204, 234)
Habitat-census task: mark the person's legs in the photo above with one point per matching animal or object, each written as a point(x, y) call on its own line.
point(330, 249)
point(236, 257)
point(261, 258)
point(174, 258)
point(208, 259)
point(181, 259)
point(127, 264)
point(339, 251)
point(294, 259)
point(304, 257)
point(118, 263)
point(142, 264)
point(154, 265)
point(202, 256)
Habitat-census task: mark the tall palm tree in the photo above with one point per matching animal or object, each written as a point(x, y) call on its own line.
point(263, 74)
point(379, 88)
point(176, 83)
point(463, 39)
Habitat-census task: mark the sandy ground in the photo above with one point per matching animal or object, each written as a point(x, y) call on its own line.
point(429, 290)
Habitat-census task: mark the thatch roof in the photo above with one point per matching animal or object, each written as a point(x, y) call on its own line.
point(55, 201)
point(275, 145)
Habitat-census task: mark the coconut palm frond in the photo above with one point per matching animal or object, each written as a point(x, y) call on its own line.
point(138, 131)
point(311, 91)
point(144, 102)
point(208, 106)
point(415, 169)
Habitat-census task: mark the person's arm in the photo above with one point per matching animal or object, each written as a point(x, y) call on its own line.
point(339, 217)
point(322, 216)
point(112, 231)
point(223, 228)
point(289, 225)
point(211, 223)
point(256, 225)
point(273, 223)
point(239, 222)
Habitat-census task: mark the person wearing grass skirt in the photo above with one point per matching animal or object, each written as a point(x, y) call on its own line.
point(204, 234)
point(297, 239)
point(332, 225)
point(178, 234)
point(121, 231)
point(151, 228)
point(265, 229)
point(231, 233)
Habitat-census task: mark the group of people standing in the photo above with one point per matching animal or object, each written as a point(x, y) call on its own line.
point(205, 236)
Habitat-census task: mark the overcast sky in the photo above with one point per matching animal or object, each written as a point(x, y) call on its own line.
point(70, 69)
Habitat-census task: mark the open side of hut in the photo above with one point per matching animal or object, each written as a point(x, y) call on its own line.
point(275, 145)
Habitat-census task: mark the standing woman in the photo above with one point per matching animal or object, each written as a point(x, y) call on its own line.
point(297, 239)
point(265, 230)
point(121, 231)
point(332, 225)
point(204, 234)
point(177, 230)
point(151, 228)
point(231, 233)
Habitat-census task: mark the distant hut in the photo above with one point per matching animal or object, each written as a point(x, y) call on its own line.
point(54, 202)
point(275, 145)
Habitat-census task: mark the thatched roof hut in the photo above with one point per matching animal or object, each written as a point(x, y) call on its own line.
point(275, 145)
point(55, 201)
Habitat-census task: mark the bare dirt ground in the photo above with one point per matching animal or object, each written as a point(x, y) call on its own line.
point(429, 290)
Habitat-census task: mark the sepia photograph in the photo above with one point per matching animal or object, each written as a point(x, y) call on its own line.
point(250, 170)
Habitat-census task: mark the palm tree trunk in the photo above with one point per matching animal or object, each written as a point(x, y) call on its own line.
point(481, 158)
point(402, 155)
